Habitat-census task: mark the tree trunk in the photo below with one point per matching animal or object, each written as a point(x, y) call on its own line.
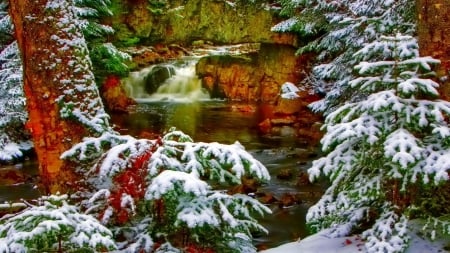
point(434, 36)
point(62, 99)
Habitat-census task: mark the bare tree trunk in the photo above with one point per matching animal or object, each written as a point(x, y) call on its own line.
point(434, 36)
point(62, 99)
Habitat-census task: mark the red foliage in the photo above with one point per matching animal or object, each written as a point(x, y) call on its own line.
point(111, 81)
point(130, 182)
point(197, 249)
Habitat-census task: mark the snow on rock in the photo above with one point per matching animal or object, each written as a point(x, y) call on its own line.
point(289, 91)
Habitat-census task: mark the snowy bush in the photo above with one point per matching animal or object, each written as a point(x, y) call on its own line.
point(385, 151)
point(172, 192)
point(53, 225)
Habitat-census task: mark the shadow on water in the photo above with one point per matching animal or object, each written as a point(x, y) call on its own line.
point(18, 181)
point(219, 121)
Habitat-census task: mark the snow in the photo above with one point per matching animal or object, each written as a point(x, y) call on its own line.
point(289, 91)
point(321, 243)
point(285, 25)
point(167, 180)
point(403, 148)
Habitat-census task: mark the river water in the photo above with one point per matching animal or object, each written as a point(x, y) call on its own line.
point(180, 102)
point(219, 121)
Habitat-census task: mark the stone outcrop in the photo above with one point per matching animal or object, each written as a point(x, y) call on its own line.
point(144, 56)
point(292, 117)
point(114, 96)
point(219, 21)
point(250, 77)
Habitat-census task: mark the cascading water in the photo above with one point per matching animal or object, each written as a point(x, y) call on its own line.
point(182, 86)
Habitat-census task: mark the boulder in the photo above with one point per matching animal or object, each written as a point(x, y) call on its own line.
point(285, 174)
point(114, 96)
point(157, 76)
point(254, 76)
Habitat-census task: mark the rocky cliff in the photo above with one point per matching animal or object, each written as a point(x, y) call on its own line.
point(184, 21)
point(255, 76)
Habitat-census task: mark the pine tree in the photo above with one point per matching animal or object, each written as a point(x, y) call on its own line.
point(106, 58)
point(384, 153)
point(53, 226)
point(334, 31)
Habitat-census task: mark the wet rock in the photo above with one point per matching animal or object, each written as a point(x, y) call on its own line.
point(303, 179)
point(12, 176)
point(255, 76)
point(222, 22)
point(249, 185)
point(244, 108)
point(284, 120)
point(285, 174)
point(267, 198)
point(288, 106)
point(114, 95)
point(144, 56)
point(287, 199)
point(311, 131)
point(157, 76)
point(265, 126)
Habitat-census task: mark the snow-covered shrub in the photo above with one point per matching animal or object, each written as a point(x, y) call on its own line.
point(172, 191)
point(385, 151)
point(53, 226)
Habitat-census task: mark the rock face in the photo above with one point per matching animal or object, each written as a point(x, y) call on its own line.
point(291, 117)
point(250, 77)
point(176, 21)
point(114, 95)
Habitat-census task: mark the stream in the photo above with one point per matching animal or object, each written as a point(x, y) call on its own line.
point(218, 121)
point(180, 102)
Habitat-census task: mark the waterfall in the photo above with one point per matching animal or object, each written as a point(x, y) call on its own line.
point(182, 86)
point(134, 84)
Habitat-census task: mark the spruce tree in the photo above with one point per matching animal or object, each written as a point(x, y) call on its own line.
point(106, 58)
point(334, 31)
point(53, 225)
point(13, 137)
point(386, 152)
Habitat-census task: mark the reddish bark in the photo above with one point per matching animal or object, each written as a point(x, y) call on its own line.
point(434, 36)
point(52, 135)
